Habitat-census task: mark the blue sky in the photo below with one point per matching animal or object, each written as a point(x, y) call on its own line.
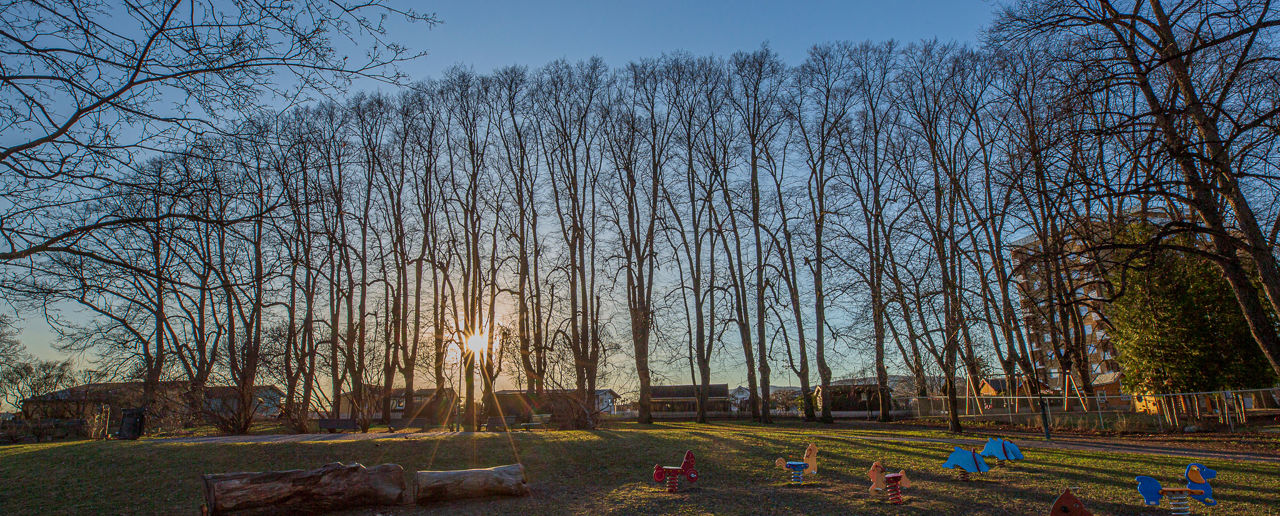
point(490, 34)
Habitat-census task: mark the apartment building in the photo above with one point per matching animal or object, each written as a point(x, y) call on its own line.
point(1057, 301)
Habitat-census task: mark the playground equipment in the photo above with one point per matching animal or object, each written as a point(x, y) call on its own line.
point(671, 474)
point(967, 461)
point(799, 468)
point(890, 484)
point(1001, 450)
point(1198, 488)
point(1068, 505)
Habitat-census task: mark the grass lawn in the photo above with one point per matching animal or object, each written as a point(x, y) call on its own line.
point(610, 471)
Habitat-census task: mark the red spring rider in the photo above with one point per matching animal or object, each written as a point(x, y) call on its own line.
point(890, 484)
point(671, 474)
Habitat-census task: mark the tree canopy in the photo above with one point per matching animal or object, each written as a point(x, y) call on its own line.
point(1177, 328)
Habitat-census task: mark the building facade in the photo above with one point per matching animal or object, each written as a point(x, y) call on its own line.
point(1061, 306)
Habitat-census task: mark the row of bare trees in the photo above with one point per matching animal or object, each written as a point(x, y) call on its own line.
point(876, 207)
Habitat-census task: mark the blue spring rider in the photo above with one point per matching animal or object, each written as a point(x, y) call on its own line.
point(799, 468)
point(1001, 450)
point(967, 461)
point(1198, 488)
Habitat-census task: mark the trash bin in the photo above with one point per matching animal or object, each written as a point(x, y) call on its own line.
point(132, 423)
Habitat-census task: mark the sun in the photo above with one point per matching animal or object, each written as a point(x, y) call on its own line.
point(477, 343)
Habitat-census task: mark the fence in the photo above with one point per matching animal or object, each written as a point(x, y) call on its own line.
point(1164, 411)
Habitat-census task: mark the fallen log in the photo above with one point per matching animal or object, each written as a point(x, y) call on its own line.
point(433, 486)
point(333, 486)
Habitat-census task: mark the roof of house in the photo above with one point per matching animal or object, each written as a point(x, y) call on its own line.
point(716, 390)
point(108, 391)
point(102, 391)
point(892, 380)
point(1107, 378)
point(999, 384)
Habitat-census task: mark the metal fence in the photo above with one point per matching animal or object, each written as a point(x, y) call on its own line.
point(1178, 410)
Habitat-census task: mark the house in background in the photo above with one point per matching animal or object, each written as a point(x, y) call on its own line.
point(1106, 387)
point(1107, 384)
point(900, 386)
point(85, 401)
point(994, 387)
point(682, 400)
point(739, 399)
point(268, 400)
point(849, 396)
point(347, 407)
point(517, 402)
point(607, 401)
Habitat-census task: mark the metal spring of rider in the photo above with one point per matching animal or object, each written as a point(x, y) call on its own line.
point(895, 493)
point(1179, 504)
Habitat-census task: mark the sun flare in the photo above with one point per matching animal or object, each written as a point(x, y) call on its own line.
point(477, 343)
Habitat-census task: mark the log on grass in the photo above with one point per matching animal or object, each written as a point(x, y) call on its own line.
point(333, 486)
point(433, 486)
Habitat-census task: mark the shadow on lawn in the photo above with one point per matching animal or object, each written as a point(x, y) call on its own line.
point(610, 470)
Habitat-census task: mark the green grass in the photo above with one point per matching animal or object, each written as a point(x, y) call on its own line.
point(609, 471)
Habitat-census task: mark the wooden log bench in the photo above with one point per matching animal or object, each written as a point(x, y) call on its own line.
point(438, 486)
point(339, 486)
point(337, 424)
point(332, 487)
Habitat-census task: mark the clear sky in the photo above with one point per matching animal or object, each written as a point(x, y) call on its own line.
point(490, 34)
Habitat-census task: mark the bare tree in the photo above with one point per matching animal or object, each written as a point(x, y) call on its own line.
point(820, 109)
point(86, 95)
point(638, 134)
point(1200, 69)
point(758, 98)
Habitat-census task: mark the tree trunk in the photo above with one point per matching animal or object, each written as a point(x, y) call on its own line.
point(334, 486)
point(434, 486)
